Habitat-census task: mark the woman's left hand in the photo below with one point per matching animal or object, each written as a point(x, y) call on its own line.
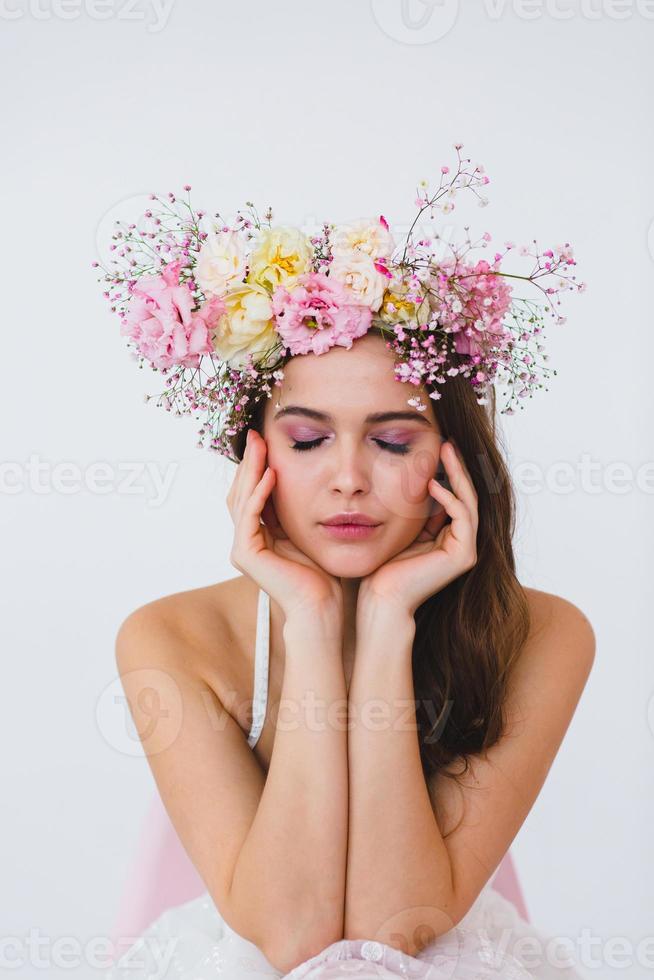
point(441, 552)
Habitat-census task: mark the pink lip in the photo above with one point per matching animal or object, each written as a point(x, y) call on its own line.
point(350, 531)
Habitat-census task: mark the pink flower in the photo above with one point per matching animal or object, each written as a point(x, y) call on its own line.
point(381, 266)
point(471, 302)
point(162, 323)
point(316, 313)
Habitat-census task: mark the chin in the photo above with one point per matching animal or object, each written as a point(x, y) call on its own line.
point(354, 567)
point(348, 559)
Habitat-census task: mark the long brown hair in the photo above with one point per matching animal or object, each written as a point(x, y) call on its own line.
point(468, 635)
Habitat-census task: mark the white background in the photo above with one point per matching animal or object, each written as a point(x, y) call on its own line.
point(330, 111)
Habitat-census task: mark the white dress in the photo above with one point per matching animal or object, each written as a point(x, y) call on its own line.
point(193, 942)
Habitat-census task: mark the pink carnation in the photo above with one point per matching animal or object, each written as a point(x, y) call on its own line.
point(473, 304)
point(163, 325)
point(317, 313)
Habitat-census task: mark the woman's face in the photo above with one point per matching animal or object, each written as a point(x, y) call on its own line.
point(331, 454)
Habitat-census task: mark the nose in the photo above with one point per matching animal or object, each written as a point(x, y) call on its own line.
point(349, 474)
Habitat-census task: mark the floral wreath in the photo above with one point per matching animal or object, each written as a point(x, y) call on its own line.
point(217, 310)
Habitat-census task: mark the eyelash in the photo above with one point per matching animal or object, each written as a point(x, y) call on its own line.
point(391, 447)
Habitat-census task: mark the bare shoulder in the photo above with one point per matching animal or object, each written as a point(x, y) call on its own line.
point(553, 666)
point(205, 631)
point(559, 628)
point(188, 614)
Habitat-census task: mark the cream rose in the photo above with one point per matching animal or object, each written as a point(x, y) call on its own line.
point(396, 308)
point(246, 327)
point(279, 257)
point(356, 270)
point(221, 262)
point(365, 234)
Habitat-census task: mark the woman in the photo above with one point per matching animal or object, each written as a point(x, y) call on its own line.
point(417, 694)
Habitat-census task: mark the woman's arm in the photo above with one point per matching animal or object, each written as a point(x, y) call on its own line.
point(290, 871)
point(271, 850)
point(406, 883)
point(399, 884)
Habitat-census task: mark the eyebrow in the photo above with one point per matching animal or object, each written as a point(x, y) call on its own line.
point(312, 413)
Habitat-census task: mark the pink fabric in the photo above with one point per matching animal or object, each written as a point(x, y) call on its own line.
point(162, 876)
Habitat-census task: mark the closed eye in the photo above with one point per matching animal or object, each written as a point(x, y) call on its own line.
point(391, 447)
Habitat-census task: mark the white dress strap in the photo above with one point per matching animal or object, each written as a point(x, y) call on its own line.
point(261, 657)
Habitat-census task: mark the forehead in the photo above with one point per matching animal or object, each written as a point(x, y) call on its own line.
point(349, 384)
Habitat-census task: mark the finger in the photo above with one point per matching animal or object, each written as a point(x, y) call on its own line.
point(436, 517)
point(251, 468)
point(437, 520)
point(250, 517)
point(460, 479)
point(234, 492)
point(462, 461)
point(434, 526)
point(454, 506)
point(463, 527)
point(270, 519)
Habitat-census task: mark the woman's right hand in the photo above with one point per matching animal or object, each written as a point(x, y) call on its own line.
point(291, 578)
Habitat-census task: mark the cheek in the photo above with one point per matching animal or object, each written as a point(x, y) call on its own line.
point(294, 485)
point(401, 484)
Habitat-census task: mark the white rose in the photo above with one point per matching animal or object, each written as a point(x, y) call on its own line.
point(356, 270)
point(246, 327)
point(366, 234)
point(221, 262)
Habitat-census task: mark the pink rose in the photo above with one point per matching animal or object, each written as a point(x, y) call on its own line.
point(163, 325)
point(316, 313)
